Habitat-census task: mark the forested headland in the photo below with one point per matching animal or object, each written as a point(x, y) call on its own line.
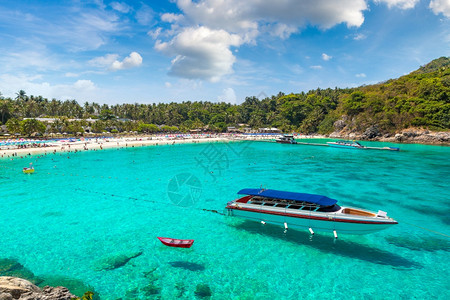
point(417, 100)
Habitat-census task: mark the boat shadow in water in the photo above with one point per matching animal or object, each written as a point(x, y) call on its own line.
point(327, 244)
point(186, 265)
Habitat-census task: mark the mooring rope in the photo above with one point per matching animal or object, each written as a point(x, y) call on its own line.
point(427, 229)
point(146, 200)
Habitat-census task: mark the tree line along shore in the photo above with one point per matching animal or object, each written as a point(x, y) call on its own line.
point(418, 101)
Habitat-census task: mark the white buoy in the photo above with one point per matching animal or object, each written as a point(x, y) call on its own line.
point(310, 230)
point(285, 226)
point(262, 222)
point(335, 234)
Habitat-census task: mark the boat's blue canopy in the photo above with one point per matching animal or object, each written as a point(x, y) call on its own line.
point(311, 198)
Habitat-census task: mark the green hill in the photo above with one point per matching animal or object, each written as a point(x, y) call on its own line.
point(436, 65)
point(419, 99)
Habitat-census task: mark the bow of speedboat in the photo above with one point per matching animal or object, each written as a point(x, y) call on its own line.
point(358, 214)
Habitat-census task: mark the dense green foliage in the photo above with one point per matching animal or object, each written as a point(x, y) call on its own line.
point(25, 127)
point(420, 99)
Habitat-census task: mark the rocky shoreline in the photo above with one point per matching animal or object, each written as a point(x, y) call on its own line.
point(411, 135)
point(18, 288)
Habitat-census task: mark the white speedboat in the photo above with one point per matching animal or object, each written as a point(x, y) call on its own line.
point(286, 139)
point(346, 144)
point(306, 211)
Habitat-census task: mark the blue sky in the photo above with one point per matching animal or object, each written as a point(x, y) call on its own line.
point(212, 50)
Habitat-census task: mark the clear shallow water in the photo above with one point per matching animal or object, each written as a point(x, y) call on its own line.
point(81, 212)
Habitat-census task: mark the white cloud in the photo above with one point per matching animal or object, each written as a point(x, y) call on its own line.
point(168, 84)
point(75, 28)
point(155, 33)
point(144, 15)
point(201, 53)
point(85, 32)
point(359, 36)
point(316, 67)
point(70, 74)
point(83, 84)
point(131, 61)
point(121, 7)
point(111, 62)
point(104, 61)
point(322, 13)
point(81, 89)
point(361, 75)
point(326, 57)
point(228, 96)
point(171, 18)
point(403, 4)
point(201, 37)
point(440, 6)
point(37, 58)
point(241, 16)
point(283, 31)
point(219, 15)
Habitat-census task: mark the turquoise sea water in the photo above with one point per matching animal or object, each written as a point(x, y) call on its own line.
point(85, 215)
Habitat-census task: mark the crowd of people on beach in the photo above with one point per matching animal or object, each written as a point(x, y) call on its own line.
point(19, 149)
point(33, 145)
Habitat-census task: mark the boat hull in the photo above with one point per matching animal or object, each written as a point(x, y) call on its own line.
point(177, 243)
point(344, 146)
point(324, 222)
point(286, 142)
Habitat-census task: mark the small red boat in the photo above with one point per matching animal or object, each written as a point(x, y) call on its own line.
point(176, 242)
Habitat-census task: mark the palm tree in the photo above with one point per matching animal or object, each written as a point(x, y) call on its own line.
point(56, 126)
point(271, 117)
point(22, 95)
point(5, 107)
point(14, 126)
point(54, 107)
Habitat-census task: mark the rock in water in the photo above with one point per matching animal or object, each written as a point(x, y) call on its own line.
point(18, 288)
point(12, 268)
point(151, 290)
point(203, 290)
point(76, 286)
point(117, 261)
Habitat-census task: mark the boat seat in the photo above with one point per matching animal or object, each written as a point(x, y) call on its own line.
point(382, 214)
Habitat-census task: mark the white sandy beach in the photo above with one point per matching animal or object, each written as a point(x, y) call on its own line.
point(98, 144)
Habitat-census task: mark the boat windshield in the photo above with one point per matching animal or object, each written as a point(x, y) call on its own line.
point(290, 204)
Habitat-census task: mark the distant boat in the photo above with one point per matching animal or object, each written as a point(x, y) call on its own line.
point(286, 139)
point(306, 211)
point(176, 242)
point(356, 145)
point(346, 144)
